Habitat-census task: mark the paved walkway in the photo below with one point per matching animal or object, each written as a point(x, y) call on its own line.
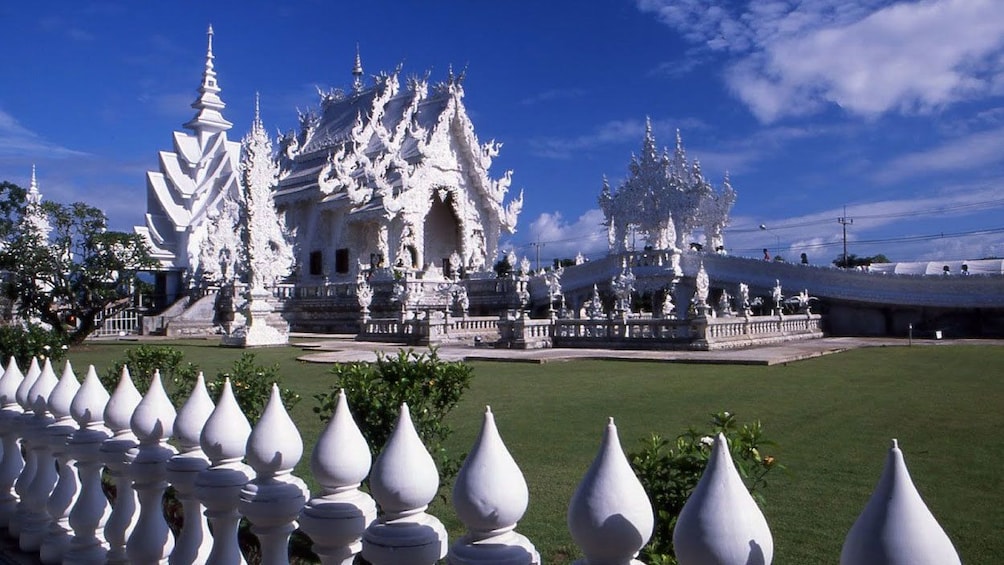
point(344, 348)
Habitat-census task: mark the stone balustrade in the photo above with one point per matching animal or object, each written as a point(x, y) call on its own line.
point(610, 516)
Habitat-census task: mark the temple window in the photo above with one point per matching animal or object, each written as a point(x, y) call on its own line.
point(342, 260)
point(316, 263)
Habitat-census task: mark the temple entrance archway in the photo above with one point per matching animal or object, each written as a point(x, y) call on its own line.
point(442, 231)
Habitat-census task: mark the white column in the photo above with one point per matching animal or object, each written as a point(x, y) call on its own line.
point(64, 494)
point(273, 500)
point(896, 527)
point(13, 461)
point(490, 497)
point(404, 481)
point(721, 524)
point(117, 453)
point(151, 541)
point(21, 426)
point(88, 516)
point(194, 540)
point(336, 519)
point(610, 517)
point(224, 439)
point(36, 519)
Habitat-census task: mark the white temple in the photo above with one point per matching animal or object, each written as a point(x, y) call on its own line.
point(392, 176)
point(187, 191)
point(386, 175)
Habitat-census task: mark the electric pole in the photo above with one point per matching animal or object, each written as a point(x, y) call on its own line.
point(844, 221)
point(538, 245)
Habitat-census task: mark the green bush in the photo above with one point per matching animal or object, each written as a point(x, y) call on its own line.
point(31, 340)
point(670, 473)
point(375, 391)
point(252, 386)
point(144, 360)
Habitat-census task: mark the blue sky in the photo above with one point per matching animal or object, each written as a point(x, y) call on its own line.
point(892, 109)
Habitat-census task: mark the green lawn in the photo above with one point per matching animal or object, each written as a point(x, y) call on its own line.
point(832, 417)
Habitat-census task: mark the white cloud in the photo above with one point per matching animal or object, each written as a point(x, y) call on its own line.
point(18, 141)
point(962, 154)
point(560, 239)
point(614, 132)
point(793, 58)
point(552, 95)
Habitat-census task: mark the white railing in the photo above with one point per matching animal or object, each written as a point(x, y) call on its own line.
point(117, 322)
point(58, 435)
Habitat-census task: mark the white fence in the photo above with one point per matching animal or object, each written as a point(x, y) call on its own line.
point(58, 435)
point(117, 322)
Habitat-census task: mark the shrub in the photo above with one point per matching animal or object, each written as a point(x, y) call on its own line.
point(670, 473)
point(30, 340)
point(375, 391)
point(252, 386)
point(144, 360)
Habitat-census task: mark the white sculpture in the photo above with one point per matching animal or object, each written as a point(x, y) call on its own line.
point(623, 287)
point(703, 288)
point(594, 308)
point(777, 296)
point(664, 199)
point(668, 307)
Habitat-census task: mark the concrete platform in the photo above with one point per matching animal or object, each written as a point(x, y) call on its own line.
point(345, 349)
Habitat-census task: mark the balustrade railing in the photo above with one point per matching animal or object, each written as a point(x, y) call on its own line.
point(58, 435)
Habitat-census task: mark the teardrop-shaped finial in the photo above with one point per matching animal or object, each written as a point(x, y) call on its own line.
point(192, 416)
point(122, 404)
point(896, 527)
point(29, 381)
point(721, 523)
point(225, 435)
point(341, 458)
point(153, 419)
point(490, 494)
point(62, 394)
point(274, 446)
point(11, 380)
point(610, 516)
point(88, 406)
point(38, 396)
point(404, 478)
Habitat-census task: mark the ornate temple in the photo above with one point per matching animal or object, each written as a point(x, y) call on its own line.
point(389, 175)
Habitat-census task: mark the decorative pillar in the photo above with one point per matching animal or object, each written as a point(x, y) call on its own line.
point(896, 527)
point(490, 497)
point(610, 517)
point(335, 521)
point(273, 500)
point(721, 524)
point(36, 520)
point(117, 453)
point(404, 481)
point(151, 541)
point(88, 516)
point(20, 426)
point(64, 495)
point(194, 540)
point(13, 461)
point(224, 439)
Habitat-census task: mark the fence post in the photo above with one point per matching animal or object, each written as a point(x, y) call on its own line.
point(274, 498)
point(404, 481)
point(87, 518)
point(224, 440)
point(64, 495)
point(151, 541)
point(896, 527)
point(490, 497)
point(610, 517)
point(335, 521)
point(194, 540)
point(36, 519)
point(117, 453)
point(720, 522)
point(13, 461)
point(21, 427)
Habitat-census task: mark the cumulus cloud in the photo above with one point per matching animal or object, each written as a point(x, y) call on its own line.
point(791, 58)
point(561, 239)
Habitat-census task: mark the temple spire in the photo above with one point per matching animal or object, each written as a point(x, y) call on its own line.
point(33, 187)
point(357, 72)
point(208, 119)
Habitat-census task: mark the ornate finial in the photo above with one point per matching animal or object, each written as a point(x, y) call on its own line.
point(357, 72)
point(208, 105)
point(257, 108)
point(209, 50)
point(34, 182)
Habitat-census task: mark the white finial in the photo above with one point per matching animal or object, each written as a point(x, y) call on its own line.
point(62, 394)
point(33, 188)
point(153, 419)
point(275, 445)
point(121, 405)
point(29, 380)
point(88, 406)
point(192, 416)
point(209, 49)
point(721, 523)
point(341, 458)
point(896, 527)
point(11, 380)
point(38, 396)
point(610, 517)
point(357, 72)
point(225, 435)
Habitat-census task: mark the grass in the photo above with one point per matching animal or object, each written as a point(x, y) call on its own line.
point(832, 418)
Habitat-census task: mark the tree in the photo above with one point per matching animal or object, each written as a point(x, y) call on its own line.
point(853, 260)
point(62, 266)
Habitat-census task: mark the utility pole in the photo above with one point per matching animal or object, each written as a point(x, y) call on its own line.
point(844, 221)
point(538, 245)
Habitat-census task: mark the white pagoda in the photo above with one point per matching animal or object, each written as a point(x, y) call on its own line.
point(187, 191)
point(392, 176)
